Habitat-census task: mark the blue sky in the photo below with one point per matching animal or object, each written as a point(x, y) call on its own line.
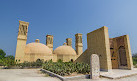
point(65, 18)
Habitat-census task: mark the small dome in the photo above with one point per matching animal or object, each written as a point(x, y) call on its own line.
point(37, 48)
point(64, 50)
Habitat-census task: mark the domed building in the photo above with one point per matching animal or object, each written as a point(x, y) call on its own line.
point(65, 53)
point(36, 50)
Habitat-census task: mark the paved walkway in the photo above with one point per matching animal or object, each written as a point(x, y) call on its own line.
point(119, 73)
point(24, 75)
point(132, 78)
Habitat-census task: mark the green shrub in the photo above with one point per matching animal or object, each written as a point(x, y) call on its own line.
point(2, 54)
point(66, 68)
point(36, 64)
point(134, 60)
point(6, 60)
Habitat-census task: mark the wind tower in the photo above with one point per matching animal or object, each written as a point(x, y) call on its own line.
point(21, 41)
point(69, 41)
point(49, 41)
point(78, 44)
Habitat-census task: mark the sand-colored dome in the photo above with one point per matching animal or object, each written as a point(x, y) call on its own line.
point(37, 48)
point(64, 50)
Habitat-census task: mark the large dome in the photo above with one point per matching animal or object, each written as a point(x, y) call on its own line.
point(37, 48)
point(64, 50)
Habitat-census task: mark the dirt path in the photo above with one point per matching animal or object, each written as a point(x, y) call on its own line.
point(24, 75)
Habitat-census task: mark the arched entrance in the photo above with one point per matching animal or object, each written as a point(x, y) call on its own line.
point(72, 60)
point(122, 57)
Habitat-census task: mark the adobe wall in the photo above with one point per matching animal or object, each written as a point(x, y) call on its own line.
point(98, 43)
point(122, 41)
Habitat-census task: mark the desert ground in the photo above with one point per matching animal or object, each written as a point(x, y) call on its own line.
point(24, 75)
point(36, 75)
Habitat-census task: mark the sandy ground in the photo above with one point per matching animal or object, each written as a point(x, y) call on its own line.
point(24, 75)
point(36, 75)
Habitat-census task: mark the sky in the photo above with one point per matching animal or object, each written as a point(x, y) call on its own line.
point(64, 18)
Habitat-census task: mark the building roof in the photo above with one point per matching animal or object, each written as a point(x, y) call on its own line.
point(64, 50)
point(37, 48)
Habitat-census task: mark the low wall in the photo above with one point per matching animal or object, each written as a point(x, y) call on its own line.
point(65, 78)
